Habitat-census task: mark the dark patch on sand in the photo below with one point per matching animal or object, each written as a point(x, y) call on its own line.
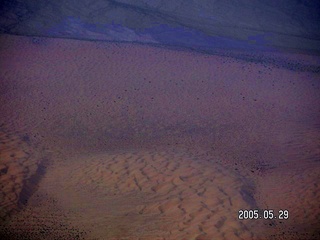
point(3, 170)
point(247, 195)
point(26, 138)
point(31, 185)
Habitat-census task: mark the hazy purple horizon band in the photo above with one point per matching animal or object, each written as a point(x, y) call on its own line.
point(206, 25)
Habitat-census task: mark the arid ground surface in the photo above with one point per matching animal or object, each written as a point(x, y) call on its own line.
point(123, 141)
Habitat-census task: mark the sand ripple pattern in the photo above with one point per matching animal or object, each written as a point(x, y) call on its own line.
point(141, 195)
point(18, 162)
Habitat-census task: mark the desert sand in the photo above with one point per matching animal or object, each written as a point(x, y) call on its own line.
point(123, 141)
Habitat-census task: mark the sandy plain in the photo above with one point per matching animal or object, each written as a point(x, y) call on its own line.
point(121, 141)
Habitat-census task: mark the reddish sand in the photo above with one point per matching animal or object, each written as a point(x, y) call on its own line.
point(120, 141)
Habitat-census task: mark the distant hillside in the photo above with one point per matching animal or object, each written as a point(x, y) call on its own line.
point(206, 24)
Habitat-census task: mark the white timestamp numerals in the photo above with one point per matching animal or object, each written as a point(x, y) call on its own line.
point(262, 214)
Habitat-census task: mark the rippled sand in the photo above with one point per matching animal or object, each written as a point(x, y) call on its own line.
point(116, 141)
point(19, 161)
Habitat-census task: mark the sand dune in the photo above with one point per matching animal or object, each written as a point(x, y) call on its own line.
point(119, 141)
point(140, 194)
